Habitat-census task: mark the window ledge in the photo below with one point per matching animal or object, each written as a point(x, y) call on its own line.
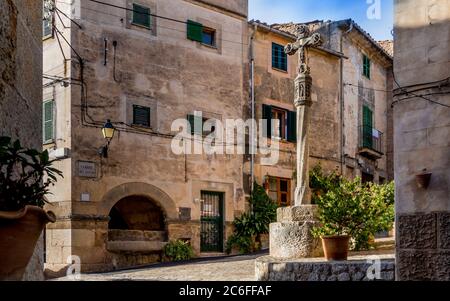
point(142, 127)
point(141, 26)
point(280, 70)
point(209, 46)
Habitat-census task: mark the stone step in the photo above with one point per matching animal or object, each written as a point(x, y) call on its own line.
point(135, 246)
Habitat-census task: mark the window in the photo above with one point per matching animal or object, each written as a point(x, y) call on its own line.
point(199, 33)
point(141, 116)
point(279, 57)
point(367, 127)
point(141, 15)
point(48, 119)
point(47, 22)
point(279, 191)
point(279, 128)
point(366, 66)
point(287, 125)
point(200, 123)
point(209, 36)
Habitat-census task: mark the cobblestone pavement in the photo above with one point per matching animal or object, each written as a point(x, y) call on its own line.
point(240, 268)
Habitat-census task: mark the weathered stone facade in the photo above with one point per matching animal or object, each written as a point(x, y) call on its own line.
point(422, 135)
point(21, 85)
point(339, 92)
point(161, 69)
point(356, 269)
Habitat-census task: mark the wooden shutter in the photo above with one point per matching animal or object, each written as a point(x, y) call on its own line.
point(367, 127)
point(48, 121)
point(267, 114)
point(366, 66)
point(141, 116)
point(141, 15)
point(194, 31)
point(292, 126)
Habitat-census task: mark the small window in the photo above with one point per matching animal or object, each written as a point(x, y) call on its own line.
point(48, 119)
point(286, 129)
point(279, 191)
point(366, 66)
point(209, 36)
point(47, 21)
point(279, 57)
point(141, 16)
point(279, 128)
point(141, 116)
point(200, 123)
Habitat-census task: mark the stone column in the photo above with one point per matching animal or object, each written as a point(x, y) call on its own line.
point(290, 236)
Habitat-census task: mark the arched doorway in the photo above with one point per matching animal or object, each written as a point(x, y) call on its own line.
point(137, 231)
point(136, 213)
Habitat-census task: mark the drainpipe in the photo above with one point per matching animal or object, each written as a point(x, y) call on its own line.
point(252, 92)
point(341, 79)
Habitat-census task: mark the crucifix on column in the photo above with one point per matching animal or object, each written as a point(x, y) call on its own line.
point(303, 103)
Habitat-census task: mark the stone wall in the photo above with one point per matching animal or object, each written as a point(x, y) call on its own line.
point(421, 136)
point(270, 269)
point(158, 68)
point(21, 85)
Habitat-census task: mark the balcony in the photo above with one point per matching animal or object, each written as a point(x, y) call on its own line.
point(370, 143)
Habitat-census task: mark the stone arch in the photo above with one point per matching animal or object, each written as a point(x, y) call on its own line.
point(123, 191)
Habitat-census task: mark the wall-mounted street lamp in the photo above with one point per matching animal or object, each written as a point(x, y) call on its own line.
point(108, 131)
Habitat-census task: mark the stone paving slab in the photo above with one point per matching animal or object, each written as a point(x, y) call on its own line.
point(240, 268)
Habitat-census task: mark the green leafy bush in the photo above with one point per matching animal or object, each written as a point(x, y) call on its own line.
point(351, 208)
point(320, 183)
point(25, 176)
point(249, 226)
point(177, 250)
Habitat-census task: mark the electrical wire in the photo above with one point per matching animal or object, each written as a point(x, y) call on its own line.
point(416, 95)
point(170, 28)
point(365, 88)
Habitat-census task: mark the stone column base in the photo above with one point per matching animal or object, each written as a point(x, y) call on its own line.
point(291, 238)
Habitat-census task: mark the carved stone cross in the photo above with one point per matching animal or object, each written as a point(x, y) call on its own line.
point(303, 103)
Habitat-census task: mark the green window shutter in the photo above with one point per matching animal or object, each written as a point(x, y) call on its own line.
point(193, 122)
point(48, 121)
point(267, 114)
point(141, 116)
point(367, 127)
point(47, 22)
point(194, 31)
point(366, 66)
point(141, 15)
point(292, 126)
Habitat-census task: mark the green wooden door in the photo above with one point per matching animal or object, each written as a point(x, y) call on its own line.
point(367, 127)
point(211, 236)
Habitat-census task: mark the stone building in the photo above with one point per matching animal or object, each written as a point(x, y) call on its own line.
point(422, 139)
point(21, 85)
point(141, 64)
point(350, 131)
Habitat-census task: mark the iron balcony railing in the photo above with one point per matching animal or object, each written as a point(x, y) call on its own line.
point(371, 138)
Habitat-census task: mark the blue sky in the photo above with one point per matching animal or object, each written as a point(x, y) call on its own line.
point(281, 11)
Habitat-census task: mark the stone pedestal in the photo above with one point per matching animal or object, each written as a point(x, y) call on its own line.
point(290, 236)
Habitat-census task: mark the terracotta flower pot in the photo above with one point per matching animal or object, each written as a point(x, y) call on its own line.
point(19, 233)
point(336, 247)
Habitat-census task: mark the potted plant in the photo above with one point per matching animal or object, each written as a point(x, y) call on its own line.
point(25, 178)
point(352, 211)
